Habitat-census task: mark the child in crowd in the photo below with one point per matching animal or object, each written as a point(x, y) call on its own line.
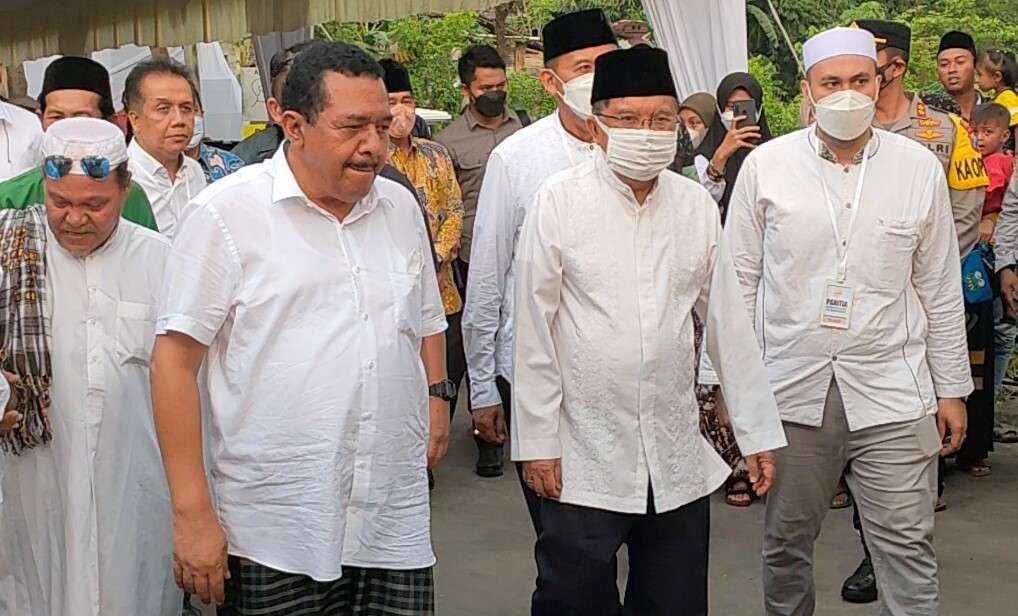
point(991, 130)
point(998, 73)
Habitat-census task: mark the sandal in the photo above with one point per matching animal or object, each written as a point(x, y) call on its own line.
point(975, 468)
point(738, 493)
point(939, 505)
point(842, 499)
point(1006, 436)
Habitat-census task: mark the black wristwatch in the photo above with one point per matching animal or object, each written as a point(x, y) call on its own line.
point(443, 390)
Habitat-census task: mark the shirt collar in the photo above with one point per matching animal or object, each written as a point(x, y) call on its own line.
point(108, 245)
point(606, 173)
point(473, 123)
point(825, 152)
point(5, 112)
point(285, 188)
point(149, 164)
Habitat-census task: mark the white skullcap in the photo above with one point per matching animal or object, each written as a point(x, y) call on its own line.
point(839, 42)
point(77, 138)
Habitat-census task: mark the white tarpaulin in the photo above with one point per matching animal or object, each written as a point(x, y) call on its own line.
point(220, 94)
point(705, 40)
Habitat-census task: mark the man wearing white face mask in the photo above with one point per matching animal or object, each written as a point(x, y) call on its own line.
point(844, 241)
point(516, 169)
point(217, 163)
point(613, 259)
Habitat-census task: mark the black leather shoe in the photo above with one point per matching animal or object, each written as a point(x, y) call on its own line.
point(861, 586)
point(489, 460)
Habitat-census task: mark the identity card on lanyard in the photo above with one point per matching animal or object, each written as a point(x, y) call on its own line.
point(839, 296)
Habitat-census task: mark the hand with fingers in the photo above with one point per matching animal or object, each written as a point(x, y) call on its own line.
point(952, 420)
point(10, 418)
point(762, 469)
point(200, 557)
point(1008, 290)
point(735, 139)
point(544, 477)
point(489, 424)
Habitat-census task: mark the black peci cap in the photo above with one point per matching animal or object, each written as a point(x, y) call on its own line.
point(640, 71)
point(573, 31)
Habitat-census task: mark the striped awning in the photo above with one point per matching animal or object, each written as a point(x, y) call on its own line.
point(36, 28)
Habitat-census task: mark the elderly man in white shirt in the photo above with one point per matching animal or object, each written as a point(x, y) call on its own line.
point(85, 514)
point(850, 269)
point(22, 139)
point(615, 256)
point(515, 170)
point(307, 286)
point(161, 104)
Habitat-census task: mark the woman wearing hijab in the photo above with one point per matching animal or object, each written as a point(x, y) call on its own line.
point(726, 145)
point(697, 113)
point(718, 156)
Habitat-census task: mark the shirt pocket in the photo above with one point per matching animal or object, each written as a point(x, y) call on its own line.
point(136, 330)
point(407, 296)
point(897, 241)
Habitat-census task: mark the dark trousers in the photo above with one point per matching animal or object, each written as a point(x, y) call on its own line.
point(534, 502)
point(576, 564)
point(455, 357)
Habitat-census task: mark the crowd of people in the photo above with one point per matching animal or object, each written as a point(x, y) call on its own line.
point(267, 344)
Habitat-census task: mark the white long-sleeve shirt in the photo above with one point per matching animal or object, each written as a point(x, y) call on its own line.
point(169, 199)
point(516, 169)
point(86, 526)
point(22, 140)
point(605, 355)
point(905, 346)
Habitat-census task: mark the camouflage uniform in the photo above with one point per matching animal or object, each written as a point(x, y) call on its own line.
point(945, 136)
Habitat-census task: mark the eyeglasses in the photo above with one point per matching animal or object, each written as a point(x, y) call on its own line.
point(661, 123)
point(96, 167)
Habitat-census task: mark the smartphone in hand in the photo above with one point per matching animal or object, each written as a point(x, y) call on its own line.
point(747, 109)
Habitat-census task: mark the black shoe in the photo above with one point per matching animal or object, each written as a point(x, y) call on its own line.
point(861, 586)
point(489, 460)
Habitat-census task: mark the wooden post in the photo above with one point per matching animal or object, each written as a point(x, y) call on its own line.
point(501, 42)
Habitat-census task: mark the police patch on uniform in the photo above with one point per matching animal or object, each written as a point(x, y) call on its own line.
point(929, 123)
point(929, 135)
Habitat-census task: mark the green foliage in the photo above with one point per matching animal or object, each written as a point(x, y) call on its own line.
point(527, 93)
point(866, 10)
point(539, 12)
point(781, 108)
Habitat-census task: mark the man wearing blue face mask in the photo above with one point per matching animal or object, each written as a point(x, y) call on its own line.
point(844, 241)
point(614, 258)
point(516, 169)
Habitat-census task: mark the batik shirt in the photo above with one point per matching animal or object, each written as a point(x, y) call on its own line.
point(217, 163)
point(429, 168)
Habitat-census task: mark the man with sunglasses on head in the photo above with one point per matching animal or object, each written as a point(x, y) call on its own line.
point(73, 87)
point(85, 506)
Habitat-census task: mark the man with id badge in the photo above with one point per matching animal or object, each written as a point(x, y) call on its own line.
point(848, 261)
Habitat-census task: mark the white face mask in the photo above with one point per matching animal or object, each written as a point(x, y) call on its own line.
point(577, 94)
point(639, 154)
point(696, 136)
point(198, 134)
point(727, 119)
point(844, 115)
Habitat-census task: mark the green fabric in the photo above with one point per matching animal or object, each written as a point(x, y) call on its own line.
point(26, 189)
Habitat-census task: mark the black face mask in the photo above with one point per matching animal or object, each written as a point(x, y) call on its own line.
point(881, 71)
point(490, 104)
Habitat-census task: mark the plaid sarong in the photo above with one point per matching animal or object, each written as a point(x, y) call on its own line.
point(24, 324)
point(255, 589)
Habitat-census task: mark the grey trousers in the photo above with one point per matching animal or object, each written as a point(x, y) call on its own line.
point(893, 479)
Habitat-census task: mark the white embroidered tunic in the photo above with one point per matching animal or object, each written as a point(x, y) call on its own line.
point(605, 360)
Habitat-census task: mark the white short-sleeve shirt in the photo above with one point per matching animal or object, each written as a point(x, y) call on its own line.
point(319, 404)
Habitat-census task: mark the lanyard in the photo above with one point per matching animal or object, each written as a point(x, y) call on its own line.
point(842, 243)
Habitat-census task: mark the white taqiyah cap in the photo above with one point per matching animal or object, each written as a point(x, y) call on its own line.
point(77, 138)
point(839, 42)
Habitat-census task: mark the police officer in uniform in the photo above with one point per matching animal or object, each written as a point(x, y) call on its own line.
point(947, 137)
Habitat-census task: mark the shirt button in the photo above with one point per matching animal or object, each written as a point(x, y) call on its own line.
point(364, 317)
point(371, 365)
point(356, 269)
point(835, 358)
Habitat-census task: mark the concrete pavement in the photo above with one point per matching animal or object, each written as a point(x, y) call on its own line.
point(484, 542)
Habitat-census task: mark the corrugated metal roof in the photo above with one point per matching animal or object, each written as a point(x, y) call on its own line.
point(36, 28)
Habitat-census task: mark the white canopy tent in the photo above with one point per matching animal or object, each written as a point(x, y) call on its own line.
point(705, 40)
point(79, 27)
